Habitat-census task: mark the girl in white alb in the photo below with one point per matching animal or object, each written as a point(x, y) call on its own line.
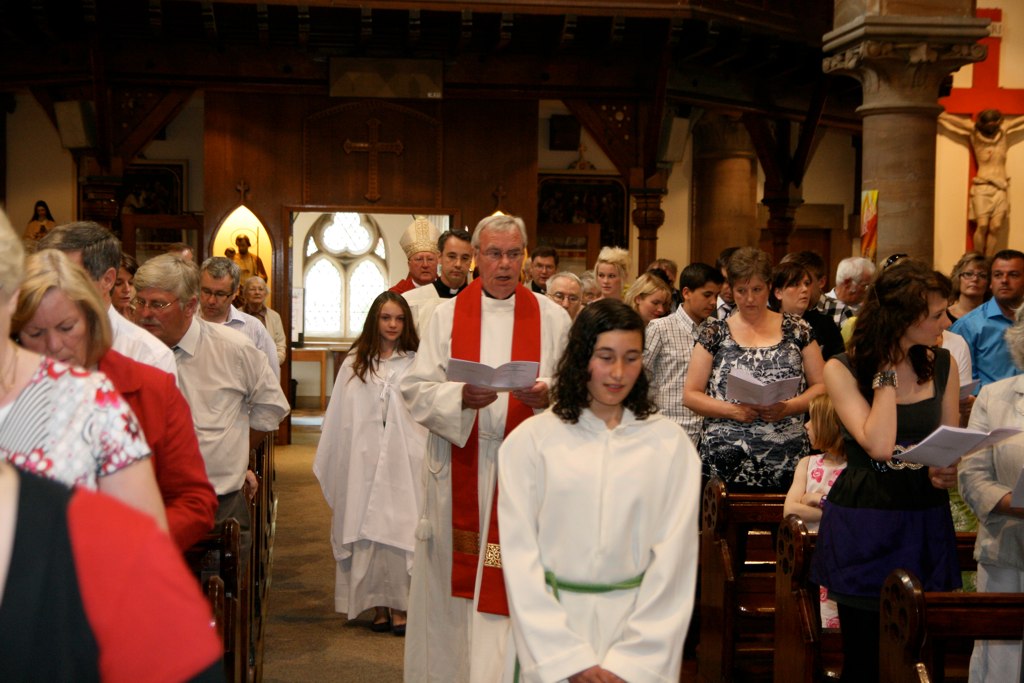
point(598, 505)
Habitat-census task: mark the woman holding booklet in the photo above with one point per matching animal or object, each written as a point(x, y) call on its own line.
point(753, 445)
point(891, 389)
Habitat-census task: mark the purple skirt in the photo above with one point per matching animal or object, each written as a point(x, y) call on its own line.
point(859, 547)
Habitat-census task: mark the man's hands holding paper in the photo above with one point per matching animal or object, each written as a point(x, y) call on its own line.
point(536, 396)
point(477, 397)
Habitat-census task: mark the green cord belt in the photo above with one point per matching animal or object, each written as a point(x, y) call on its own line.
point(574, 587)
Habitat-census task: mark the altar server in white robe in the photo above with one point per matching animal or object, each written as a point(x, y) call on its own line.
point(598, 501)
point(458, 625)
point(368, 463)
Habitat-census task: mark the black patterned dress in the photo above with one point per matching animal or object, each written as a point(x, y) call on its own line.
point(755, 455)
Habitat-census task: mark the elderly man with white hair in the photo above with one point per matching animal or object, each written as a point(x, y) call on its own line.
point(566, 290)
point(853, 275)
point(458, 627)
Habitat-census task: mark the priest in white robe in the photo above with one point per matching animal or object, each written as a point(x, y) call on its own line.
point(467, 638)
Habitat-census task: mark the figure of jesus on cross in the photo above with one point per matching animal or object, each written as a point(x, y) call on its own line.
point(989, 204)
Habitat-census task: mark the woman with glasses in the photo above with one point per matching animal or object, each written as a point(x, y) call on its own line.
point(59, 315)
point(970, 285)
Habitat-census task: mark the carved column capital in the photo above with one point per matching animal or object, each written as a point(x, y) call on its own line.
point(902, 61)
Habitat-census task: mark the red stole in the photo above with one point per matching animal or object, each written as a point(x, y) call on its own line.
point(466, 546)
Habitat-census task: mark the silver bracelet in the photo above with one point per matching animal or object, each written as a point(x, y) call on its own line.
point(885, 378)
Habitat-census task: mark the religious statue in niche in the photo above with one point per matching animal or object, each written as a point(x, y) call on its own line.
point(989, 203)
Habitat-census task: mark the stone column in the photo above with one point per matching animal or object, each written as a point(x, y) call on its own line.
point(724, 187)
point(901, 62)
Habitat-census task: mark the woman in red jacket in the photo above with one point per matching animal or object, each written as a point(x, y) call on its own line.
point(59, 314)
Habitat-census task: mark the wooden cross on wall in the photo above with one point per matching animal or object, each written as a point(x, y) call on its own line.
point(984, 93)
point(373, 147)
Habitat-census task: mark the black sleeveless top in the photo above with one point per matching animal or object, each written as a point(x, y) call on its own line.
point(44, 632)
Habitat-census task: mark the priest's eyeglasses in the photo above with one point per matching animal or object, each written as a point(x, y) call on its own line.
point(561, 296)
point(497, 254)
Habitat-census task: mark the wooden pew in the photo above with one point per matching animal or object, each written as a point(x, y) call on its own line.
point(216, 562)
point(807, 651)
point(737, 584)
point(262, 511)
point(919, 628)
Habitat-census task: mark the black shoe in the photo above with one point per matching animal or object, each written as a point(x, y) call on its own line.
point(381, 626)
point(399, 630)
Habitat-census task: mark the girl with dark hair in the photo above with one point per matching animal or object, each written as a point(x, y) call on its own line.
point(792, 285)
point(890, 389)
point(368, 464)
point(41, 222)
point(598, 500)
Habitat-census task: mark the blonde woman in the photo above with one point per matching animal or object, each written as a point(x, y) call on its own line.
point(650, 296)
point(610, 272)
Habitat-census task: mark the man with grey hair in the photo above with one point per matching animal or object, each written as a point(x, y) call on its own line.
point(96, 249)
point(853, 275)
point(566, 290)
point(232, 392)
point(458, 627)
point(218, 284)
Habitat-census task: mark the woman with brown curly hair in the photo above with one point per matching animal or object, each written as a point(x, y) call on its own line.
point(598, 506)
point(891, 389)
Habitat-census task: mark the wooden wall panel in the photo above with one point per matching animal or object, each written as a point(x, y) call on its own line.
point(490, 149)
point(373, 153)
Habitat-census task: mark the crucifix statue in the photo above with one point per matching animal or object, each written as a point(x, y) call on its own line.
point(989, 203)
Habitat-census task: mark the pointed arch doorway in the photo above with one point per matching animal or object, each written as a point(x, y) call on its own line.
point(239, 227)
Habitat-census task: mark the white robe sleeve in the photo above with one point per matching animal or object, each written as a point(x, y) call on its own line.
point(654, 634)
point(432, 400)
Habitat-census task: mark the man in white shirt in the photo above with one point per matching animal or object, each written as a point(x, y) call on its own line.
point(96, 249)
point(229, 386)
point(218, 284)
point(458, 628)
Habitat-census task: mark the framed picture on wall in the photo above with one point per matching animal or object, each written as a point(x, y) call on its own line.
point(585, 200)
point(155, 188)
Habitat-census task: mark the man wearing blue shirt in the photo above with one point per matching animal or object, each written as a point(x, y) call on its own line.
point(983, 327)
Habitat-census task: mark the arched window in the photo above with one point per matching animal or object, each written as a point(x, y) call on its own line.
point(346, 268)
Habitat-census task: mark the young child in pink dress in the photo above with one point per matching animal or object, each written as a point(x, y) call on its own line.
point(813, 479)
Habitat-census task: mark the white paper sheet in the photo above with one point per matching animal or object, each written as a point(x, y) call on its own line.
point(521, 374)
point(745, 388)
point(945, 445)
